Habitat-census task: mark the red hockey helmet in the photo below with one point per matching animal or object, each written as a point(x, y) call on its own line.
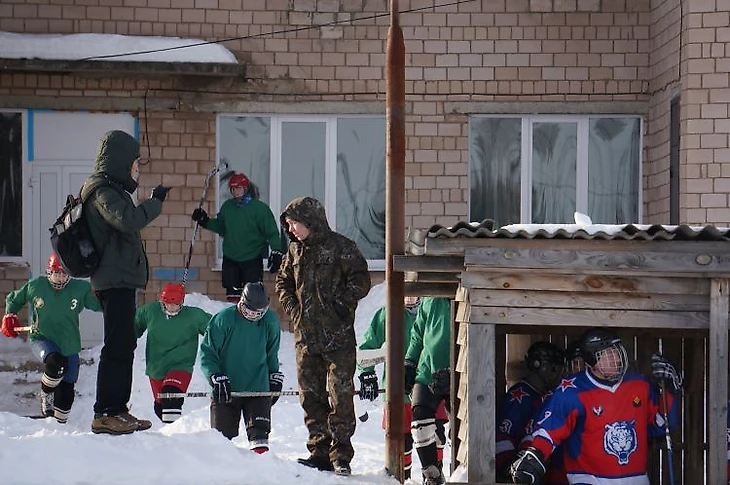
point(173, 293)
point(57, 275)
point(238, 180)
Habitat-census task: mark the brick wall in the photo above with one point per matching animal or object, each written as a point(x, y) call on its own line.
point(511, 51)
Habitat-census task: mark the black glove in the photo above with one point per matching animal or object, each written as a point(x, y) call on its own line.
point(529, 466)
point(276, 383)
point(368, 386)
point(200, 216)
point(160, 192)
point(221, 388)
point(441, 384)
point(663, 369)
point(410, 376)
point(275, 260)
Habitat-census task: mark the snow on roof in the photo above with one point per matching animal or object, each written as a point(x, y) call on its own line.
point(87, 46)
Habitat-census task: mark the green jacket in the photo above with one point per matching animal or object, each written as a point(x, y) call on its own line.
point(247, 352)
point(54, 313)
point(430, 338)
point(321, 281)
point(246, 229)
point(114, 220)
point(374, 338)
point(172, 342)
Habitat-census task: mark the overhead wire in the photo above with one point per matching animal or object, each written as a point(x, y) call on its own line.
point(276, 32)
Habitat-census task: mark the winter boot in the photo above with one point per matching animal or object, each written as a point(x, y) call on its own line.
point(433, 476)
point(142, 424)
point(342, 468)
point(47, 401)
point(115, 425)
point(321, 463)
point(259, 446)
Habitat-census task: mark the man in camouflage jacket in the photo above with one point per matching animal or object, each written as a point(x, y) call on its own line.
point(319, 284)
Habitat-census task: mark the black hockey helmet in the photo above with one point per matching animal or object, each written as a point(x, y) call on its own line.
point(543, 355)
point(604, 354)
point(254, 301)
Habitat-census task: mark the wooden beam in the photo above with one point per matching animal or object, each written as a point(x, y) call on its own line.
point(648, 262)
point(628, 283)
point(585, 300)
point(432, 277)
point(447, 290)
point(717, 378)
point(608, 318)
point(448, 264)
point(481, 401)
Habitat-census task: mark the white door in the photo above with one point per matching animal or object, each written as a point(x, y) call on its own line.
point(64, 147)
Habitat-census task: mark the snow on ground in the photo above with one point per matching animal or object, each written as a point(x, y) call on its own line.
point(185, 452)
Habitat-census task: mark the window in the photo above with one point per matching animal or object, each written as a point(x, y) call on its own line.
point(338, 160)
point(11, 184)
point(541, 169)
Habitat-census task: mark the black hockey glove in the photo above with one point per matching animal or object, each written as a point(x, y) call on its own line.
point(441, 385)
point(368, 386)
point(221, 388)
point(529, 466)
point(276, 384)
point(160, 192)
point(410, 376)
point(275, 260)
point(200, 216)
point(663, 369)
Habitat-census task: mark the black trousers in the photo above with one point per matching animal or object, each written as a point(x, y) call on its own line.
point(256, 411)
point(235, 274)
point(114, 377)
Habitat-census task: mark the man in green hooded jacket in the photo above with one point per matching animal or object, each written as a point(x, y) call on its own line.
point(115, 222)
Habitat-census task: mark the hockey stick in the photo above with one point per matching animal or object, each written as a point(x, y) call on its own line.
point(223, 165)
point(287, 392)
point(370, 357)
point(670, 460)
point(24, 329)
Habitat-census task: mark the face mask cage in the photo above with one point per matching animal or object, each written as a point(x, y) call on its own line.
point(611, 363)
point(57, 278)
point(251, 313)
point(171, 309)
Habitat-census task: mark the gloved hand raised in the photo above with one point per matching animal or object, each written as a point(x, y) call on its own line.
point(275, 260)
point(410, 376)
point(200, 216)
point(663, 369)
point(276, 383)
point(221, 388)
point(10, 321)
point(368, 386)
point(529, 466)
point(160, 192)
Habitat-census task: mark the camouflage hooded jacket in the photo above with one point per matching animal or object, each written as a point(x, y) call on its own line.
point(321, 280)
point(114, 220)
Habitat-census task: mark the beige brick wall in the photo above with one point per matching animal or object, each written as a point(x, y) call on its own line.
point(521, 51)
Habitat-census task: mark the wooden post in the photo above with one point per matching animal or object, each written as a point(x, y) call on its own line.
point(395, 243)
point(481, 403)
point(717, 398)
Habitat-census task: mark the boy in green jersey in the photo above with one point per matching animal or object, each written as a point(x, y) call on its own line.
point(56, 301)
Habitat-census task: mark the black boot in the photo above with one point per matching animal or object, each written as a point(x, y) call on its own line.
point(321, 463)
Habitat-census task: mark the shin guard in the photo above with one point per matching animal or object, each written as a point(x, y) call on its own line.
point(171, 407)
point(55, 366)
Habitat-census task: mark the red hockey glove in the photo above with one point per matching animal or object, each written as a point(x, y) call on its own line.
point(10, 321)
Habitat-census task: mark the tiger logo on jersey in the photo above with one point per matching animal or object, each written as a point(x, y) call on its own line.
point(619, 440)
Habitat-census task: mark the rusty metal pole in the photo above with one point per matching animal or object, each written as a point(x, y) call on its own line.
point(395, 100)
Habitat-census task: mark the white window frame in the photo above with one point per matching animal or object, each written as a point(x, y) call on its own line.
point(275, 168)
point(23, 259)
point(582, 127)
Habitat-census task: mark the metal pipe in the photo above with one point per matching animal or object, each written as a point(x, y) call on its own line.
point(395, 242)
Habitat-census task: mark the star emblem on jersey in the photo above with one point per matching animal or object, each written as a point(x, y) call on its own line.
point(518, 394)
point(637, 401)
point(567, 384)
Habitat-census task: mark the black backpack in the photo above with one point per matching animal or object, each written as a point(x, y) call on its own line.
point(71, 238)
